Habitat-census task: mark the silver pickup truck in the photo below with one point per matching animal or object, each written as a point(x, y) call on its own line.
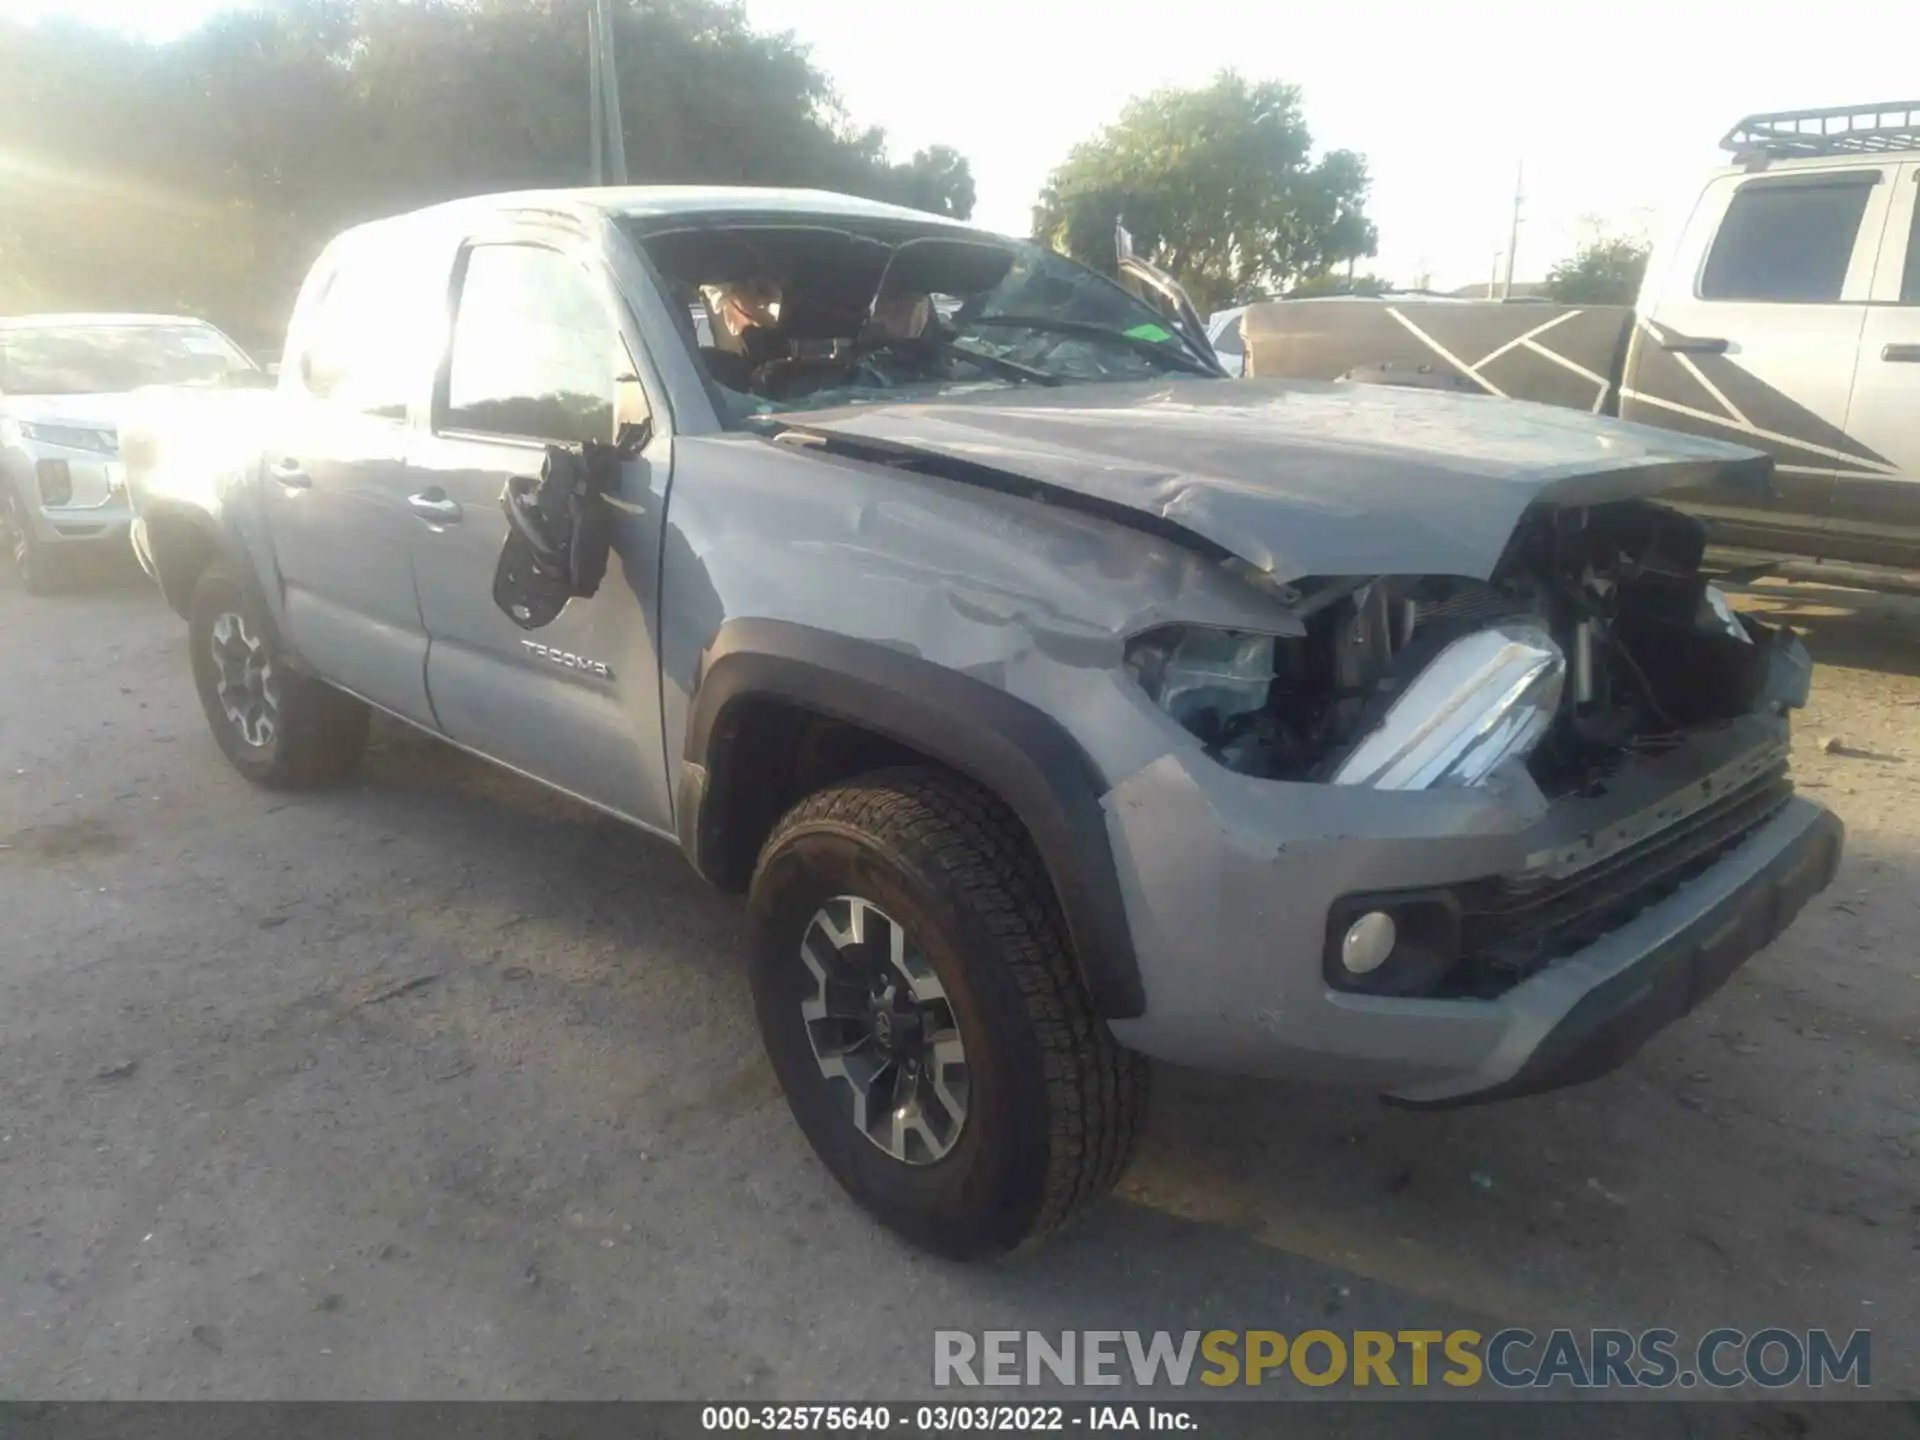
point(1056, 701)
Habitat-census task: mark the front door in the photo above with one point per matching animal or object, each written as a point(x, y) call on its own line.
point(540, 354)
point(336, 486)
point(1884, 503)
point(1752, 337)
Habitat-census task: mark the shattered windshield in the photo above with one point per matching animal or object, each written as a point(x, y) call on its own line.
point(813, 317)
point(109, 359)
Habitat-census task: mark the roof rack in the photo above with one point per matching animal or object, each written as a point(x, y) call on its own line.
point(1846, 130)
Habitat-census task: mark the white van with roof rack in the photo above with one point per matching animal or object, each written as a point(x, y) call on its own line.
point(1781, 311)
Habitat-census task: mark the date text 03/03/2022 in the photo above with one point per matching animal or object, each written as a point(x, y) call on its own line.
point(929, 1419)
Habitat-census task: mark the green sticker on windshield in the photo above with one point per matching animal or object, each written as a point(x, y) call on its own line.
point(1150, 331)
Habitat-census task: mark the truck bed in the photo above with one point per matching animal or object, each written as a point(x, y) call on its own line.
point(1567, 355)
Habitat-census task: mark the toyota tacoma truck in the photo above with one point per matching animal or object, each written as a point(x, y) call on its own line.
point(1056, 701)
point(1781, 311)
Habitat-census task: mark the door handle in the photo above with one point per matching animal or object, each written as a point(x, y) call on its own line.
point(434, 505)
point(290, 474)
point(1901, 354)
point(1696, 345)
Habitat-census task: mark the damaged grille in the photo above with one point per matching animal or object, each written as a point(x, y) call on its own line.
point(1510, 929)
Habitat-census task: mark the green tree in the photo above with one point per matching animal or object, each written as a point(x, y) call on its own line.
point(937, 180)
point(202, 175)
point(1216, 185)
point(1334, 282)
point(1605, 271)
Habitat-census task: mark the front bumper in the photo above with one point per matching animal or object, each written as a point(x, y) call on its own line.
point(99, 513)
point(1228, 885)
point(1671, 965)
point(104, 526)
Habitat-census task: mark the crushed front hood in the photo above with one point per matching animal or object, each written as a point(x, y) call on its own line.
point(1298, 478)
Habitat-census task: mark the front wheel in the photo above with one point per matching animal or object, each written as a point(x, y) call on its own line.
point(277, 727)
point(918, 999)
point(18, 542)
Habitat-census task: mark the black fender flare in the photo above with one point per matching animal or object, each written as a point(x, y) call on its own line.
point(224, 542)
point(1012, 748)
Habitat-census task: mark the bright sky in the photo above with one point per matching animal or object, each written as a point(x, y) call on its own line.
point(1611, 107)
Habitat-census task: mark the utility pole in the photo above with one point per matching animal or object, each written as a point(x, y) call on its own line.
point(607, 142)
point(596, 107)
point(1513, 235)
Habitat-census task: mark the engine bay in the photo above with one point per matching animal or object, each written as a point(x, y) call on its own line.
point(1633, 648)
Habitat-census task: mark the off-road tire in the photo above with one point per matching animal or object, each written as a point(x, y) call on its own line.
point(1056, 1103)
point(319, 733)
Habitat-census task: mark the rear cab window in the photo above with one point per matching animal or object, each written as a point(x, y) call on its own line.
point(369, 341)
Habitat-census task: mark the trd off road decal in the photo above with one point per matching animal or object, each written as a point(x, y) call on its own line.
point(1710, 394)
point(1557, 354)
point(1560, 355)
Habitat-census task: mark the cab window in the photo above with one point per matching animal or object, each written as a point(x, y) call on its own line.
point(1787, 240)
point(370, 340)
point(536, 351)
point(1910, 279)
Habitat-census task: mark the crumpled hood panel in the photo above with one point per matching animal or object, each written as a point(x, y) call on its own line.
point(1304, 479)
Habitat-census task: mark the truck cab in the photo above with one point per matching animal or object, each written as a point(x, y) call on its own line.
point(1783, 311)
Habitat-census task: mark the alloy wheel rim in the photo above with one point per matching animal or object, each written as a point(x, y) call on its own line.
point(244, 680)
point(884, 1032)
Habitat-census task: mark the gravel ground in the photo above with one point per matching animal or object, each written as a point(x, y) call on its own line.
point(437, 1085)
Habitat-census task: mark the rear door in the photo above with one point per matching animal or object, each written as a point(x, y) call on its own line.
point(542, 350)
point(335, 486)
point(1883, 508)
point(1752, 336)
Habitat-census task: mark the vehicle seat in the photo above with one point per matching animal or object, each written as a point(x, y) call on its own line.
point(723, 366)
point(728, 368)
point(786, 375)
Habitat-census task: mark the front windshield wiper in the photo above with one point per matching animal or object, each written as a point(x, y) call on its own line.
point(1181, 359)
point(1011, 369)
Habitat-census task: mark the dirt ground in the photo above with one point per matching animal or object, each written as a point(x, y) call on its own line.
point(436, 1085)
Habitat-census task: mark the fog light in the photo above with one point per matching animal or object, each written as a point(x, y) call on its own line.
point(56, 482)
point(1368, 943)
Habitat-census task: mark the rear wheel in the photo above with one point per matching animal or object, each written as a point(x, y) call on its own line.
point(277, 727)
point(919, 1002)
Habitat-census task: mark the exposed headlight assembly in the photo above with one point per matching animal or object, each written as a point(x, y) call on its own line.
point(1485, 698)
point(1189, 670)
